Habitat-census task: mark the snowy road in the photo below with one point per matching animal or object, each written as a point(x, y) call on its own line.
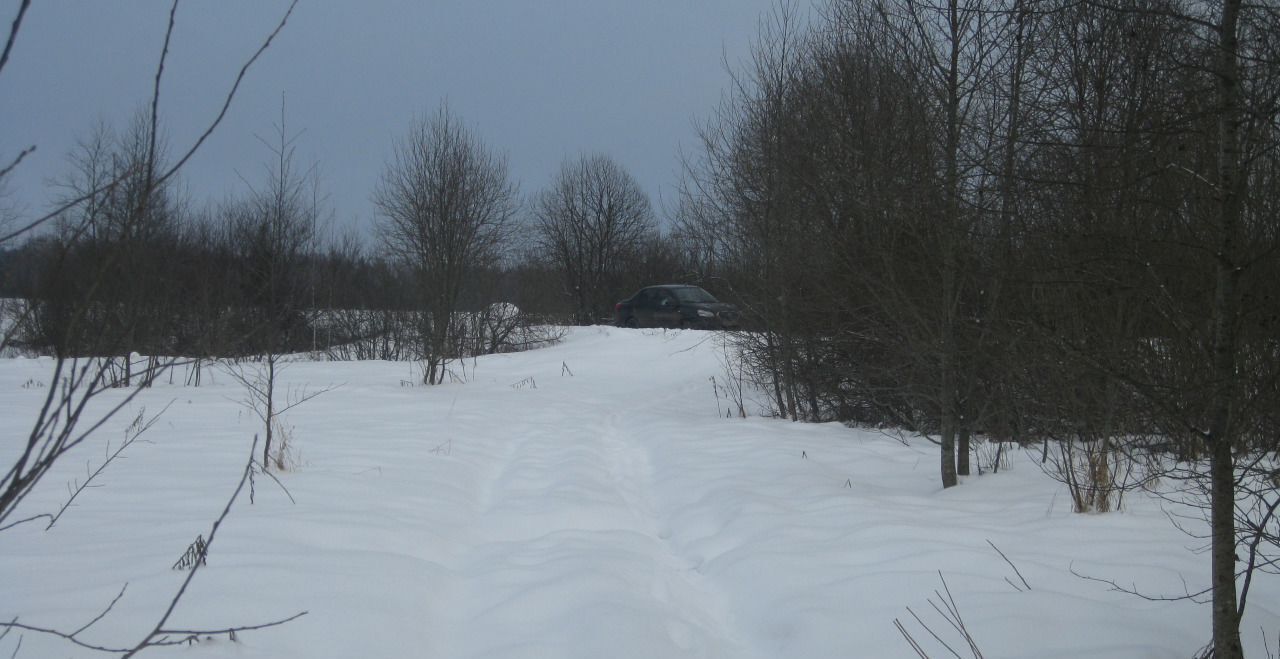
point(571, 517)
point(534, 513)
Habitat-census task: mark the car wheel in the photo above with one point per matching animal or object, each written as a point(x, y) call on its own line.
point(631, 322)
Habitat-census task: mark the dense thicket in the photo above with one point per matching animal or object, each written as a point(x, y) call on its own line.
point(1032, 219)
point(206, 299)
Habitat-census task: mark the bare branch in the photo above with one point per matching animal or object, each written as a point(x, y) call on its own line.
point(23, 154)
point(263, 469)
point(104, 612)
point(132, 433)
point(226, 105)
point(63, 635)
point(13, 33)
point(1026, 585)
point(1133, 590)
point(25, 520)
point(160, 180)
point(194, 634)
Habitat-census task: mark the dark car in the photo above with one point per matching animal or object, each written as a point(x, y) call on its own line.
point(674, 305)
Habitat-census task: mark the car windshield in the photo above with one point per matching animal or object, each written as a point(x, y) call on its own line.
point(693, 294)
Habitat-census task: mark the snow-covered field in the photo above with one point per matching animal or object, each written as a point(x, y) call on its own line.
point(607, 513)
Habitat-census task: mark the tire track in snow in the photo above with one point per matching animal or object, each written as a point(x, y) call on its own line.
point(676, 581)
point(566, 550)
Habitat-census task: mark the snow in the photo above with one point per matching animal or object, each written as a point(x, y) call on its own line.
point(609, 513)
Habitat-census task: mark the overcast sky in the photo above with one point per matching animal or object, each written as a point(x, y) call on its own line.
point(540, 80)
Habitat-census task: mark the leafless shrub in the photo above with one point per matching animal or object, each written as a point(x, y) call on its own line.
point(992, 455)
point(285, 456)
point(365, 334)
point(734, 379)
point(13, 314)
point(1097, 473)
point(261, 398)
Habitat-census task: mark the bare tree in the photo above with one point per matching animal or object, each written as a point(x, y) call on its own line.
point(592, 218)
point(952, 49)
point(446, 205)
point(271, 234)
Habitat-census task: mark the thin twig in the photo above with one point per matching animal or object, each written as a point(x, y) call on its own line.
point(32, 518)
point(21, 154)
point(1015, 567)
point(130, 438)
point(956, 620)
point(226, 105)
point(222, 113)
point(104, 612)
point(915, 645)
point(63, 635)
point(189, 634)
point(277, 480)
point(1133, 590)
point(934, 634)
point(13, 33)
point(155, 105)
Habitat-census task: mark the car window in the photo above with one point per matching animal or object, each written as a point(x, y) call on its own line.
point(693, 294)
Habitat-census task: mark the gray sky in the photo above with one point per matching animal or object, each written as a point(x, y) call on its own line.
point(540, 80)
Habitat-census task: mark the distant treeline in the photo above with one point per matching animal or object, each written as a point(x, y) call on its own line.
point(195, 290)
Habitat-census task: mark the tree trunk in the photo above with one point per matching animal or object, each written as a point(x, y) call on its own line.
point(962, 451)
point(271, 411)
point(1226, 617)
point(948, 452)
point(948, 363)
point(1226, 614)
